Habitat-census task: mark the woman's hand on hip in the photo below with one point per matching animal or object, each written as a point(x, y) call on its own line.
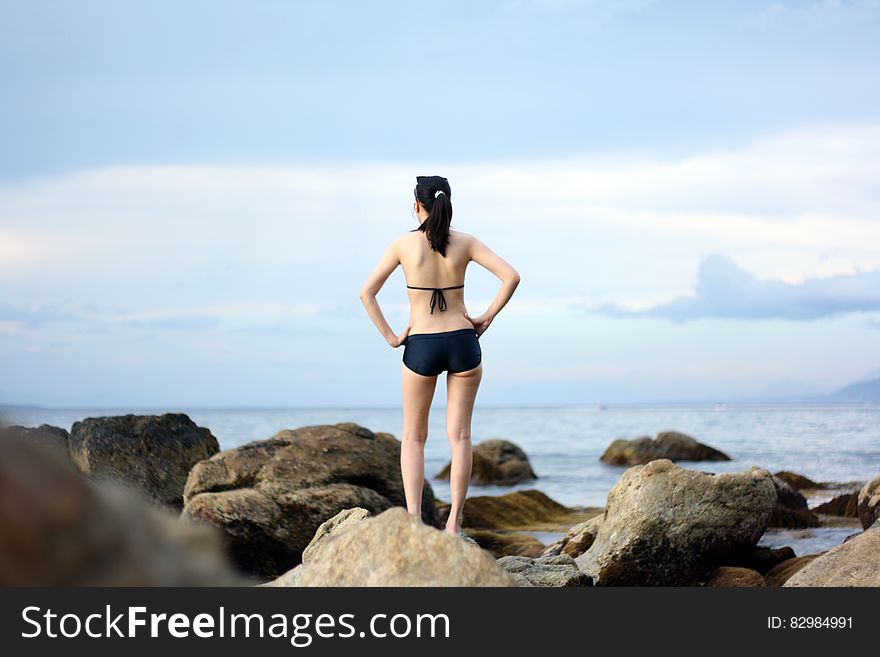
point(480, 323)
point(400, 339)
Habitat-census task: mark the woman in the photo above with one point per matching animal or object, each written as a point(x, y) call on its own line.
point(441, 335)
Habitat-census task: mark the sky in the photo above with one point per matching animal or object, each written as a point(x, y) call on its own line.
point(192, 195)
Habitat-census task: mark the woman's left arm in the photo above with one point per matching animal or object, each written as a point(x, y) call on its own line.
point(371, 288)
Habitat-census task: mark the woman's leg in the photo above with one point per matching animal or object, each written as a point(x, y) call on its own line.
point(418, 392)
point(461, 391)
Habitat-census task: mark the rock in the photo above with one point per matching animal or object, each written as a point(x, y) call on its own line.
point(797, 481)
point(498, 462)
point(855, 562)
point(64, 530)
point(340, 522)
point(671, 445)
point(502, 544)
point(46, 435)
point(271, 496)
point(845, 506)
point(288, 579)
point(781, 572)
point(668, 526)
point(559, 570)
point(577, 540)
point(153, 453)
point(731, 576)
point(529, 510)
point(869, 502)
point(395, 548)
point(791, 510)
point(762, 559)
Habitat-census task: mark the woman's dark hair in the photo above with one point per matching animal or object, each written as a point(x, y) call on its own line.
point(439, 206)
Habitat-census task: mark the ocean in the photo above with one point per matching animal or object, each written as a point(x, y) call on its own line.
point(825, 442)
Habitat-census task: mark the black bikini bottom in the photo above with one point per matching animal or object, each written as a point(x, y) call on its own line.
point(429, 354)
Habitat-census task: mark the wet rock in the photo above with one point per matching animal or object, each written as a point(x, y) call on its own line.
point(498, 462)
point(529, 510)
point(502, 544)
point(672, 445)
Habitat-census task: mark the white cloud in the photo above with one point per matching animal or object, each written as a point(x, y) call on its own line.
point(282, 244)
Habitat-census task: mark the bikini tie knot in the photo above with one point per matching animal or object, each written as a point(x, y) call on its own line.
point(437, 296)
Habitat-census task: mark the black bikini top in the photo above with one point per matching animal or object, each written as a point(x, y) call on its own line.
point(437, 295)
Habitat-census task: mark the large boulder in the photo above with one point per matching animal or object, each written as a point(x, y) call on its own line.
point(855, 562)
point(791, 510)
point(668, 526)
point(869, 502)
point(498, 462)
point(672, 445)
point(61, 529)
point(395, 548)
point(552, 571)
point(153, 453)
point(271, 496)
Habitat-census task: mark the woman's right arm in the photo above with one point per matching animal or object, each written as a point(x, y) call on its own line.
point(483, 255)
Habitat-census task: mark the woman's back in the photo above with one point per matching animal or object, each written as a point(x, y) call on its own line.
point(425, 268)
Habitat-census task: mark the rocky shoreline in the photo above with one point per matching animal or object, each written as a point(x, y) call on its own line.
point(151, 500)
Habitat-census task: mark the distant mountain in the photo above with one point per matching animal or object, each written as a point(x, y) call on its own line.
point(786, 389)
point(860, 391)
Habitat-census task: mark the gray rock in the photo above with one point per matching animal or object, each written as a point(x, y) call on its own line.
point(271, 496)
point(153, 453)
point(395, 548)
point(668, 526)
point(559, 570)
point(856, 562)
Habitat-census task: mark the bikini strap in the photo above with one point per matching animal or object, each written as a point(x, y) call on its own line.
point(437, 295)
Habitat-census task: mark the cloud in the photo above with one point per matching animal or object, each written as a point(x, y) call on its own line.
point(818, 14)
point(726, 290)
